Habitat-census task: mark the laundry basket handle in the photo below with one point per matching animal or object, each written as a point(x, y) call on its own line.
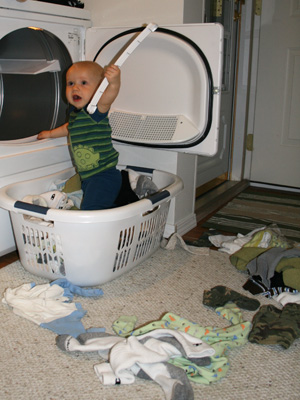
point(158, 197)
point(31, 207)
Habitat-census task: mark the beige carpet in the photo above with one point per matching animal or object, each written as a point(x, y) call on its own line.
point(32, 367)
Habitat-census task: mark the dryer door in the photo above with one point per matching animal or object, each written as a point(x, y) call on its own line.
point(171, 85)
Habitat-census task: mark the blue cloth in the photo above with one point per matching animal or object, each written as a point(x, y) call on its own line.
point(71, 324)
point(70, 289)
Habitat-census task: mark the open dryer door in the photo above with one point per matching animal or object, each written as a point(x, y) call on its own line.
point(171, 86)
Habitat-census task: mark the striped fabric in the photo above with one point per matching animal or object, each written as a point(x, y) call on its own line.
point(256, 208)
point(91, 144)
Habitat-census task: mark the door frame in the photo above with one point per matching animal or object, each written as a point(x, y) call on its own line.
point(245, 91)
point(212, 168)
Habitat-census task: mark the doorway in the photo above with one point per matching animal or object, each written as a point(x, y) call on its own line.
point(215, 186)
point(275, 155)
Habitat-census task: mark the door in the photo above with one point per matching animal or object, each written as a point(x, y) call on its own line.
point(276, 146)
point(171, 85)
point(223, 12)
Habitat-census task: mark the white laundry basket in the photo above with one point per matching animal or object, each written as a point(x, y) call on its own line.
point(87, 247)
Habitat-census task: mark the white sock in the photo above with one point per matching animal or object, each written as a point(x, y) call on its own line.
point(287, 297)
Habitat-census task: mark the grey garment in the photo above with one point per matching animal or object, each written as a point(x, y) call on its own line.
point(177, 387)
point(199, 361)
point(63, 341)
point(83, 337)
point(265, 264)
point(145, 187)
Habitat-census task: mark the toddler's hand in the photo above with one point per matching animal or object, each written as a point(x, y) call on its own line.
point(44, 135)
point(112, 74)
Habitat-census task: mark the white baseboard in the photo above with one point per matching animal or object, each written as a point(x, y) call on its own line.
point(182, 227)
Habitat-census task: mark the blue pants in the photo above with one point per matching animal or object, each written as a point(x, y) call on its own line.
point(101, 190)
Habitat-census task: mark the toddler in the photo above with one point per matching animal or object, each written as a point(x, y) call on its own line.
point(90, 135)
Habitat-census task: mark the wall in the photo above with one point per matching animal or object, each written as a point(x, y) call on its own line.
point(135, 12)
point(193, 11)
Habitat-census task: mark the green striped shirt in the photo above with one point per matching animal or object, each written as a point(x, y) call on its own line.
point(91, 144)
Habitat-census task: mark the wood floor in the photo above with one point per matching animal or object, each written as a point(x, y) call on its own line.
point(8, 259)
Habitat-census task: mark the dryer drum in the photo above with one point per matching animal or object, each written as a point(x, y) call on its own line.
point(30, 103)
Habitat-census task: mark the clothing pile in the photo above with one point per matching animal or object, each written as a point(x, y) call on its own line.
point(67, 194)
point(273, 266)
point(172, 351)
point(50, 305)
point(272, 261)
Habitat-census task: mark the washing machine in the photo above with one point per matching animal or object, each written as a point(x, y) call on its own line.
point(166, 113)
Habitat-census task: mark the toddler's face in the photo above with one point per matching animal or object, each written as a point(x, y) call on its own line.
point(82, 83)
